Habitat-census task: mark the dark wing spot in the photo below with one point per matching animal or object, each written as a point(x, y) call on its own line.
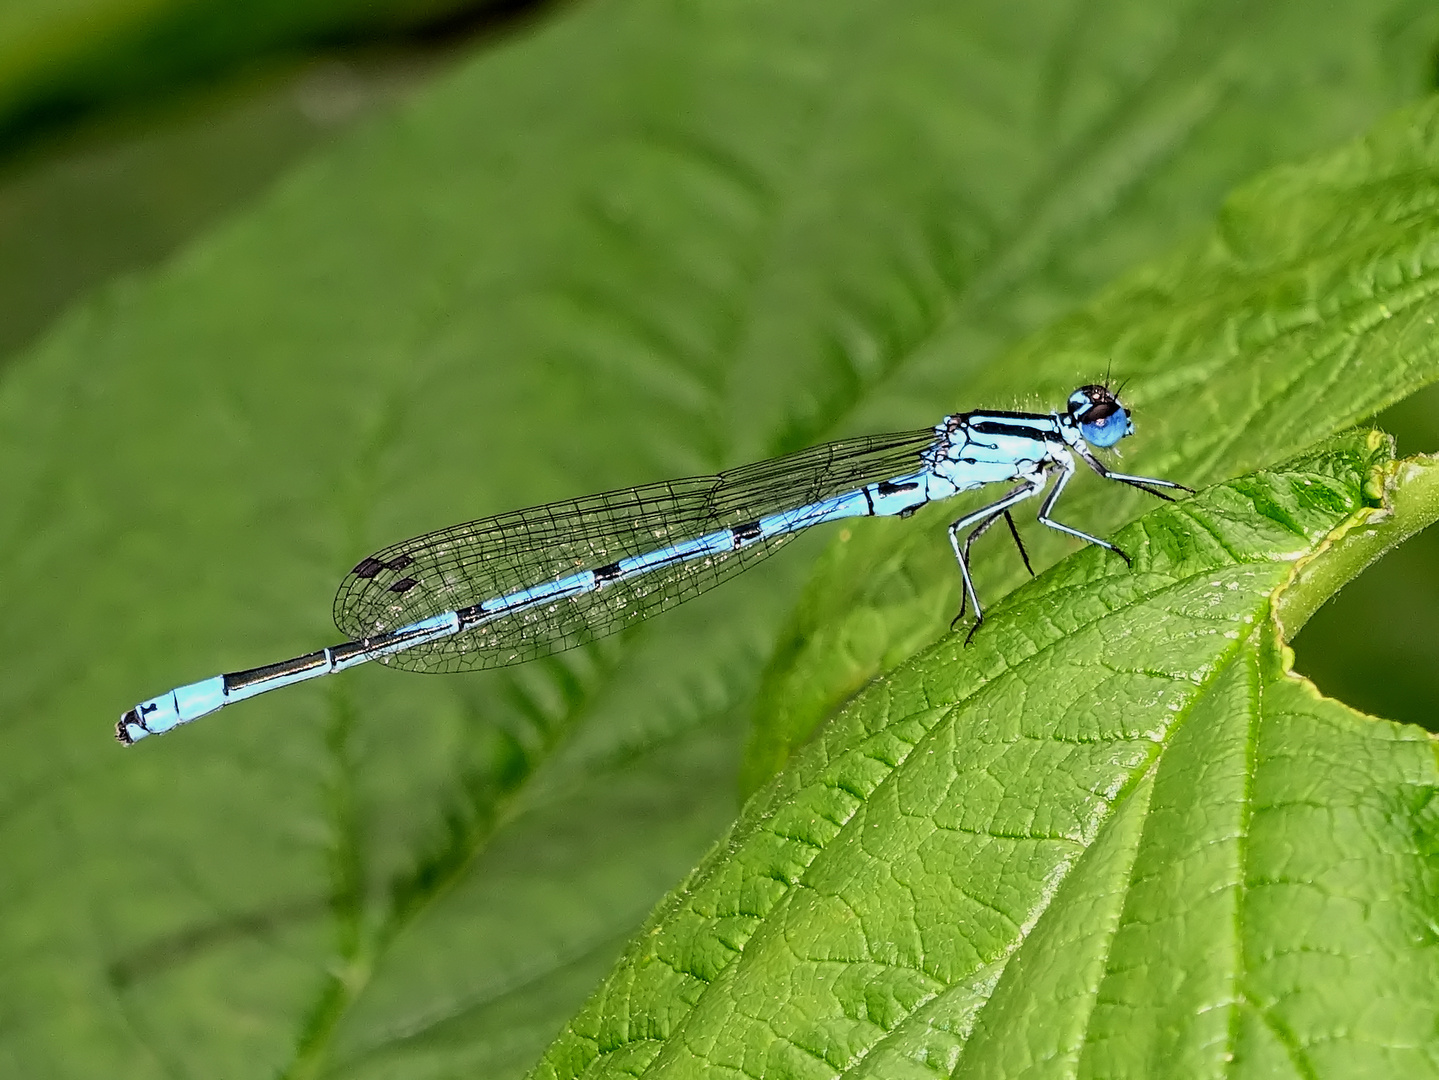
point(368, 567)
point(404, 585)
point(399, 562)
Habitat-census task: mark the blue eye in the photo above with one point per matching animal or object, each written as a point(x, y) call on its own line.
point(1108, 431)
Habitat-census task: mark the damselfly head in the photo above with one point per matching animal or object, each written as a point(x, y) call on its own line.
point(1102, 420)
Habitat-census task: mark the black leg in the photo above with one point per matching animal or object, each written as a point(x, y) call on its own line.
point(1014, 532)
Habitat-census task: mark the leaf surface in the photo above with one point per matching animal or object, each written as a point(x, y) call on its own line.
point(1114, 836)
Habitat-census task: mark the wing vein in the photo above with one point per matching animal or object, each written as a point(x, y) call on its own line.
point(465, 564)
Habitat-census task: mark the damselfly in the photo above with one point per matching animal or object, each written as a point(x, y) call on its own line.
point(513, 587)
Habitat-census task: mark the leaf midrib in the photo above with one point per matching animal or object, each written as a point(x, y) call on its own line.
point(1223, 658)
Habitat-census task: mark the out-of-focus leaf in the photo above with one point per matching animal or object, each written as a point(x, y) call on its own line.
point(125, 193)
point(59, 58)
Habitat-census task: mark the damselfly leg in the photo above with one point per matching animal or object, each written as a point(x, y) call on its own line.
point(974, 534)
point(1143, 483)
point(982, 519)
point(1066, 471)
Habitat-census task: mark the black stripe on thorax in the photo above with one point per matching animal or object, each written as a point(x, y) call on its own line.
point(1003, 414)
point(1016, 430)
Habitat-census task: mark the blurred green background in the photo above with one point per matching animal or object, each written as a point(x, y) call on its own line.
point(127, 128)
point(131, 134)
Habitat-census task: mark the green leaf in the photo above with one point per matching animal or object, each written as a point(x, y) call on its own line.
point(1114, 836)
point(1309, 306)
point(650, 239)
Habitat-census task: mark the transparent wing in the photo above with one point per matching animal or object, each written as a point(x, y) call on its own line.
point(465, 564)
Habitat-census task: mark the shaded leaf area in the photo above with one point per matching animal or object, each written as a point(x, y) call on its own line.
point(650, 239)
point(60, 61)
point(1311, 304)
point(1372, 644)
point(1114, 836)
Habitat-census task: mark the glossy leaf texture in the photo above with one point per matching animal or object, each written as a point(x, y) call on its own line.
point(1113, 837)
point(651, 238)
point(1310, 305)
